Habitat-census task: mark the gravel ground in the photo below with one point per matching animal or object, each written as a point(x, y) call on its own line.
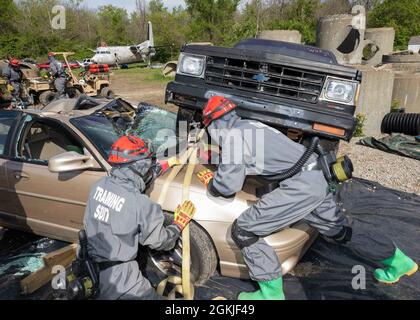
point(390, 170)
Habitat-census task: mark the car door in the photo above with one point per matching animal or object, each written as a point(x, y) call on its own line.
point(49, 204)
point(8, 120)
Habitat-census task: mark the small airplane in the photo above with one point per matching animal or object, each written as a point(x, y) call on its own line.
point(123, 55)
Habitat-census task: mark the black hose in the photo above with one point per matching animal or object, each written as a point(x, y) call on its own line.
point(406, 123)
point(297, 167)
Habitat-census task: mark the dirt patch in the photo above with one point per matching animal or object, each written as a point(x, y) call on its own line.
point(139, 84)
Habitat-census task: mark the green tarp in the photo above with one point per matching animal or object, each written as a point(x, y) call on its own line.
point(397, 144)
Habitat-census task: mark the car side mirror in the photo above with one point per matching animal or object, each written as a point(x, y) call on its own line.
point(71, 161)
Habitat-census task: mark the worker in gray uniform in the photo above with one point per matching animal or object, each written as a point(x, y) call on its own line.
point(305, 196)
point(14, 77)
point(119, 217)
point(59, 75)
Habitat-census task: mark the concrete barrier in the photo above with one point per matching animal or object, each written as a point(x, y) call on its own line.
point(383, 40)
point(293, 36)
point(375, 97)
point(338, 34)
point(407, 91)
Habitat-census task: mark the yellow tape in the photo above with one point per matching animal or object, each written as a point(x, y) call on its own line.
point(182, 285)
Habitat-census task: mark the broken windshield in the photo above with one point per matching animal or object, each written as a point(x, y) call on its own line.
point(151, 123)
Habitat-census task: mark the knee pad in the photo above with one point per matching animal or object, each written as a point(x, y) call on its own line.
point(343, 236)
point(242, 237)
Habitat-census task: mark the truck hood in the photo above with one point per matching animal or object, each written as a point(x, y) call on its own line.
point(280, 53)
point(288, 49)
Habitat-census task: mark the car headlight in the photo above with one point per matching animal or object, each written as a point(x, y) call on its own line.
point(191, 65)
point(340, 90)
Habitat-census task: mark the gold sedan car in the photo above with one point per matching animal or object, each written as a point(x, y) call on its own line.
point(49, 160)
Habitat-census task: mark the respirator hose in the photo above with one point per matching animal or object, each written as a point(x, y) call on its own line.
point(297, 167)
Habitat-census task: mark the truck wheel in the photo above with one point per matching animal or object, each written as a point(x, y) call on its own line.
point(158, 265)
point(187, 115)
point(327, 144)
point(106, 92)
point(47, 97)
point(330, 145)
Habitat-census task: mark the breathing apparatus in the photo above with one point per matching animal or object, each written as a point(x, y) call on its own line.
point(83, 281)
point(335, 170)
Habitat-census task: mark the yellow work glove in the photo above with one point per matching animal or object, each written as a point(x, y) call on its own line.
point(205, 176)
point(10, 88)
point(183, 214)
point(173, 162)
point(170, 163)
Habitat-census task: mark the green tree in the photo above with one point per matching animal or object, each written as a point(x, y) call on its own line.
point(212, 20)
point(402, 15)
point(8, 14)
point(299, 15)
point(113, 23)
point(247, 24)
point(169, 29)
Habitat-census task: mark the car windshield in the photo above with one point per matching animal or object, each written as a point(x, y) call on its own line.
point(150, 123)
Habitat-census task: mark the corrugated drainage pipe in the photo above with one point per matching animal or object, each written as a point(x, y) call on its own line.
point(406, 123)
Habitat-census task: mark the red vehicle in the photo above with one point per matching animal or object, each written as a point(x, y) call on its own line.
point(46, 65)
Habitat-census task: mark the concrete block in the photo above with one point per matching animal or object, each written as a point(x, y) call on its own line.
point(383, 40)
point(375, 97)
point(338, 34)
point(407, 91)
point(293, 36)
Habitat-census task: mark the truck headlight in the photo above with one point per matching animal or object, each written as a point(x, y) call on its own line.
point(191, 65)
point(339, 90)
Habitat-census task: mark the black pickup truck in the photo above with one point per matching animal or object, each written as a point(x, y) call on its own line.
point(299, 89)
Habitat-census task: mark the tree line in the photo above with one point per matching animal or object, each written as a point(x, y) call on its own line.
point(26, 31)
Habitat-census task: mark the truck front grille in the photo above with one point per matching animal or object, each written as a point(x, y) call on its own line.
point(266, 78)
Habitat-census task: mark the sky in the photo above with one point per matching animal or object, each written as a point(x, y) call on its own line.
point(128, 4)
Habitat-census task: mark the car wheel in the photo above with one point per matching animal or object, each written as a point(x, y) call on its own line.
point(47, 97)
point(159, 265)
point(106, 92)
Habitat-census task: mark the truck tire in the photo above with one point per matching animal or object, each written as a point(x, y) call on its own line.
point(47, 97)
point(327, 144)
point(187, 115)
point(330, 145)
point(107, 93)
point(158, 265)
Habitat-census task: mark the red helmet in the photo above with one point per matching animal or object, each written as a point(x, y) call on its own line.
point(129, 149)
point(217, 107)
point(51, 54)
point(14, 62)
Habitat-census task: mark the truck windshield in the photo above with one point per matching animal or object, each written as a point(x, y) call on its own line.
point(151, 123)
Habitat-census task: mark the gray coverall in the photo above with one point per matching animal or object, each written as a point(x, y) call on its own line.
point(14, 76)
point(302, 197)
point(118, 217)
point(60, 77)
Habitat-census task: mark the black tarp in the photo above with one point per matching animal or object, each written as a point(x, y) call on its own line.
point(325, 272)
